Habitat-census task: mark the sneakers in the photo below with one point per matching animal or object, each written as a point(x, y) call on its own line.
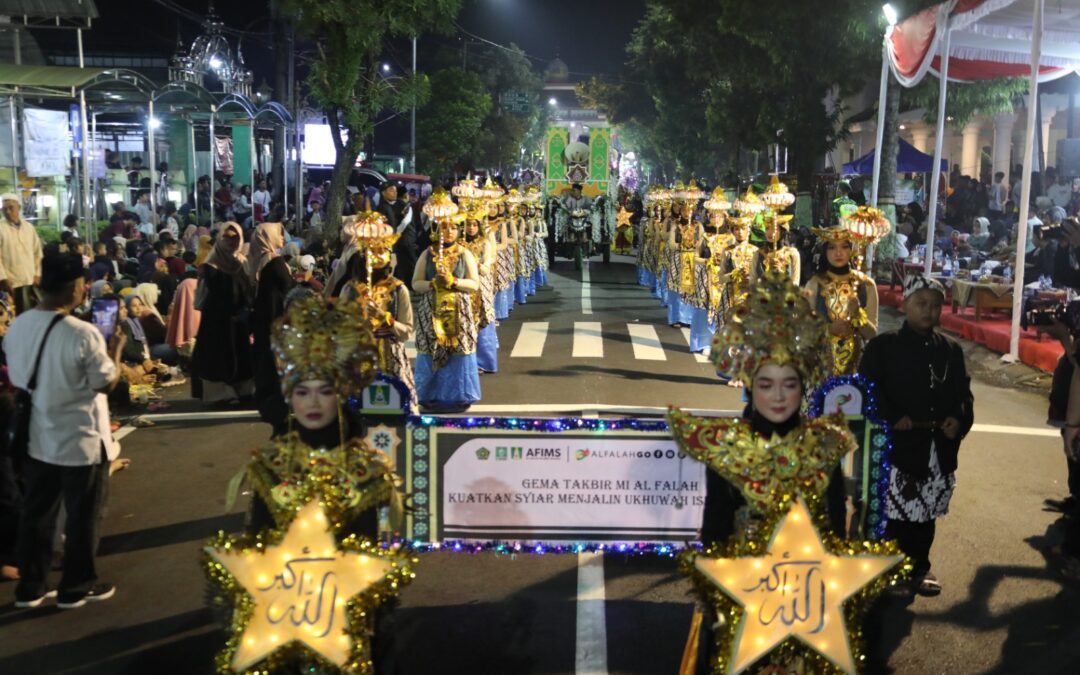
point(97, 593)
point(34, 602)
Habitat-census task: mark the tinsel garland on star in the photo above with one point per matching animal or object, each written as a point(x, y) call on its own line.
point(293, 656)
point(791, 651)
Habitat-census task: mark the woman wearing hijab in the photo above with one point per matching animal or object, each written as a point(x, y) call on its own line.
point(153, 324)
point(221, 362)
point(184, 319)
point(270, 276)
point(773, 347)
point(206, 245)
point(190, 240)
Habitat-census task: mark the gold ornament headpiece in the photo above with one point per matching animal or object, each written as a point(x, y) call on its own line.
point(749, 204)
point(865, 225)
point(439, 206)
point(774, 325)
point(776, 196)
point(317, 340)
point(371, 232)
point(491, 190)
point(691, 193)
point(532, 195)
point(718, 202)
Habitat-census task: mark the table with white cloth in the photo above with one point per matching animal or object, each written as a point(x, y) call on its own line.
point(987, 295)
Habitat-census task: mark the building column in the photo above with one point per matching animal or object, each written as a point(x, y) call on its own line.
point(969, 151)
point(1003, 129)
point(920, 137)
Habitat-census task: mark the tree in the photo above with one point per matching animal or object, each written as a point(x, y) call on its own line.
point(452, 121)
point(345, 81)
point(506, 72)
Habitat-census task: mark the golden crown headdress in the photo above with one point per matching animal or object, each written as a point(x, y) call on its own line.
point(318, 340)
point(776, 196)
point(749, 204)
point(865, 225)
point(371, 232)
point(718, 201)
point(774, 325)
point(692, 193)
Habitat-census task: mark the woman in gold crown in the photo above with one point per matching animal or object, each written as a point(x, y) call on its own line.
point(482, 246)
point(845, 297)
point(539, 232)
point(646, 256)
point(383, 298)
point(682, 242)
point(777, 256)
point(772, 345)
point(504, 261)
point(447, 374)
point(325, 353)
point(518, 231)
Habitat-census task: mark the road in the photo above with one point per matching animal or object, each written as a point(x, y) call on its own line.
point(589, 345)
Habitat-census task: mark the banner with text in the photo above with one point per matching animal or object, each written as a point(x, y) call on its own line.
point(504, 485)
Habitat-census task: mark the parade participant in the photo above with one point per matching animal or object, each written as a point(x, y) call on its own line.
point(504, 237)
point(682, 239)
point(845, 297)
point(646, 261)
point(447, 375)
point(575, 227)
point(539, 233)
point(843, 204)
point(693, 278)
point(772, 346)
point(924, 393)
point(517, 230)
point(660, 227)
point(384, 299)
point(777, 256)
point(324, 354)
point(711, 279)
point(483, 249)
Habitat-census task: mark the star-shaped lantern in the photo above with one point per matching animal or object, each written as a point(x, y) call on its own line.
point(622, 218)
point(301, 589)
point(796, 589)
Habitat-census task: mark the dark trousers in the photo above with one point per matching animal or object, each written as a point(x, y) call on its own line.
point(10, 501)
point(1074, 477)
point(26, 297)
point(83, 490)
point(915, 540)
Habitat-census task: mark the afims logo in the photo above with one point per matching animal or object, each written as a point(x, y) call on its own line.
point(483, 453)
point(581, 454)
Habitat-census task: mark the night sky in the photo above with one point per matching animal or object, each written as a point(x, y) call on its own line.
point(589, 35)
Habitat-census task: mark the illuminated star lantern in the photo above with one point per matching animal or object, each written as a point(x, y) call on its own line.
point(623, 218)
point(797, 589)
point(301, 588)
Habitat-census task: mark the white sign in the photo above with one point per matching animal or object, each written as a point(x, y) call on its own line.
point(555, 487)
point(46, 142)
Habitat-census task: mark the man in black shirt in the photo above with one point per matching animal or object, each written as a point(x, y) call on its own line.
point(924, 393)
point(405, 248)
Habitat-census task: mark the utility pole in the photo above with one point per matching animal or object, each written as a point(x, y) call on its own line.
point(412, 124)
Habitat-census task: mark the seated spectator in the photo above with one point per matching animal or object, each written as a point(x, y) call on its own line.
point(154, 326)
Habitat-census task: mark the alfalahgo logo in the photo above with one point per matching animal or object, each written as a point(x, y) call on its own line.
point(581, 454)
point(483, 453)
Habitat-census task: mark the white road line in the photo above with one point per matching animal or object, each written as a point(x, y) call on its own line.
point(1019, 431)
point(588, 340)
point(590, 656)
point(531, 339)
point(646, 342)
point(586, 289)
point(700, 358)
point(410, 349)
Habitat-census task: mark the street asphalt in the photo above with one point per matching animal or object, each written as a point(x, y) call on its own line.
point(1005, 607)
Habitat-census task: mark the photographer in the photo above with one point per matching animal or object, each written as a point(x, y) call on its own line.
point(1068, 374)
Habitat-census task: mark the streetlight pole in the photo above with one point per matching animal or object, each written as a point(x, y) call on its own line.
point(412, 124)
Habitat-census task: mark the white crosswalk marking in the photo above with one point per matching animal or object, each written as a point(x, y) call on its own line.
point(646, 342)
point(700, 358)
point(531, 339)
point(588, 340)
point(586, 289)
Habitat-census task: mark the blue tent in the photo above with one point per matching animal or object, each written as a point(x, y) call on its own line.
point(908, 160)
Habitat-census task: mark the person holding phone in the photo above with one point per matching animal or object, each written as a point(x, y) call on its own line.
point(71, 444)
